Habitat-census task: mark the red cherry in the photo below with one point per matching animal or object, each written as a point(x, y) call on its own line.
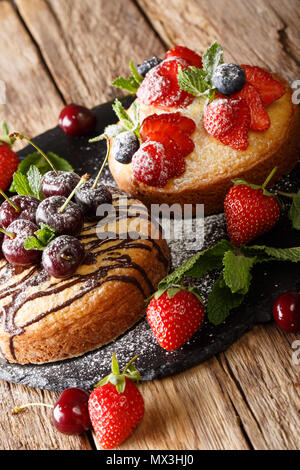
point(76, 120)
point(70, 413)
point(286, 312)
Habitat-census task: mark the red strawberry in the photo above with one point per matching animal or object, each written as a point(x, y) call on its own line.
point(250, 211)
point(184, 143)
point(173, 153)
point(187, 54)
point(8, 159)
point(184, 123)
point(174, 317)
point(269, 88)
point(260, 120)
point(116, 406)
point(151, 164)
point(160, 86)
point(228, 120)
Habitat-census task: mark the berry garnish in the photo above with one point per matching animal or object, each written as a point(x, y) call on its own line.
point(76, 120)
point(91, 195)
point(54, 183)
point(147, 65)
point(250, 211)
point(116, 406)
point(172, 152)
point(63, 256)
point(163, 127)
point(70, 413)
point(60, 183)
point(60, 213)
point(228, 120)
point(228, 78)
point(9, 161)
point(124, 147)
point(269, 88)
point(286, 312)
point(151, 165)
point(174, 317)
point(17, 207)
point(160, 86)
point(260, 120)
point(152, 123)
point(191, 57)
point(13, 244)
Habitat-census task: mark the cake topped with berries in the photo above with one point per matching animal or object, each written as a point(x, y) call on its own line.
point(198, 123)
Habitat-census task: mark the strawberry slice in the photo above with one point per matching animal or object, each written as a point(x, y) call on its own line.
point(269, 88)
point(187, 125)
point(228, 120)
point(187, 54)
point(173, 153)
point(151, 165)
point(161, 128)
point(260, 120)
point(160, 86)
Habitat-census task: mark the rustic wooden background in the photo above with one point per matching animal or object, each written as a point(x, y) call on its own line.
point(58, 51)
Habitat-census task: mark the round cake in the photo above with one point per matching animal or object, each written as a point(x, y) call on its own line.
point(46, 319)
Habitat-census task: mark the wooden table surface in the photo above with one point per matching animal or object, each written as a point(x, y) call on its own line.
point(57, 51)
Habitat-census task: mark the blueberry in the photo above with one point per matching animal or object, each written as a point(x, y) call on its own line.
point(124, 147)
point(144, 68)
point(229, 78)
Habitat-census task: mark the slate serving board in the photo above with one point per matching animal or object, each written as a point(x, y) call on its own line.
point(269, 281)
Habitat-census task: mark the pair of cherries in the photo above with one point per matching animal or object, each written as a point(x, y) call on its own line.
point(21, 215)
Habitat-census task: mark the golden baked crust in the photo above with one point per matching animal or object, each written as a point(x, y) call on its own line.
point(46, 319)
point(211, 167)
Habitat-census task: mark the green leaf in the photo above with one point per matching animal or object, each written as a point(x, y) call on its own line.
point(114, 365)
point(294, 213)
point(123, 116)
point(21, 185)
point(42, 238)
point(138, 77)
point(237, 272)
point(34, 180)
point(266, 253)
point(198, 265)
point(221, 301)
point(212, 58)
point(127, 84)
point(193, 80)
point(113, 130)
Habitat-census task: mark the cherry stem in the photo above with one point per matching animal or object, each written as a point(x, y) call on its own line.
point(83, 179)
point(18, 409)
point(104, 162)
point(8, 234)
point(17, 208)
point(17, 135)
point(269, 177)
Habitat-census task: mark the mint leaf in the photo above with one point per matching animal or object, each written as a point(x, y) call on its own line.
point(198, 265)
point(221, 301)
point(193, 80)
point(21, 185)
point(237, 272)
point(34, 180)
point(212, 58)
point(294, 213)
point(130, 84)
point(42, 238)
point(124, 117)
point(113, 130)
point(266, 253)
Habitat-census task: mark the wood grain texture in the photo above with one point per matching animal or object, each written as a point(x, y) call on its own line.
point(87, 44)
point(248, 397)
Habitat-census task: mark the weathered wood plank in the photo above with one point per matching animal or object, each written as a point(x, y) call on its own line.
point(88, 44)
point(32, 106)
point(260, 32)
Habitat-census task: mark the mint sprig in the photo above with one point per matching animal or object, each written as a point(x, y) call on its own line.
point(235, 266)
point(198, 82)
point(42, 238)
point(130, 84)
point(126, 121)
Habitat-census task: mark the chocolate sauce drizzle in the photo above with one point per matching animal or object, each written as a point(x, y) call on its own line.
point(95, 247)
